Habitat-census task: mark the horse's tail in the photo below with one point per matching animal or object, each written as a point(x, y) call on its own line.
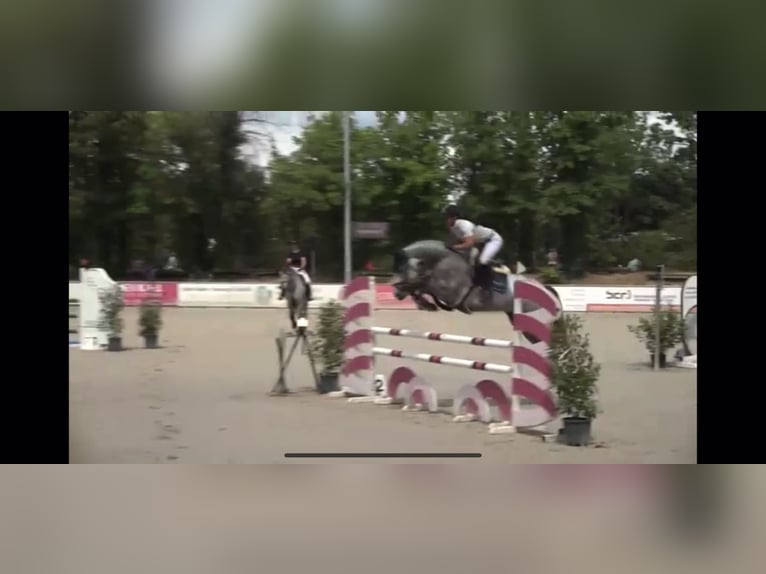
point(555, 293)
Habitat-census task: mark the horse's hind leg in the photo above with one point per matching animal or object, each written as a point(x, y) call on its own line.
point(422, 303)
point(529, 337)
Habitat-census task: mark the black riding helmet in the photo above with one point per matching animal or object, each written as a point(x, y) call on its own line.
point(451, 211)
point(295, 253)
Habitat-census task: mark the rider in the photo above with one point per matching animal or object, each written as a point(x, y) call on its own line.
point(297, 261)
point(486, 240)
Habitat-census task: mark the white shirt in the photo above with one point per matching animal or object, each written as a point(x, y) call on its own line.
point(463, 228)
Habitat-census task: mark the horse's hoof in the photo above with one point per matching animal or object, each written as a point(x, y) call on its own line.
point(464, 309)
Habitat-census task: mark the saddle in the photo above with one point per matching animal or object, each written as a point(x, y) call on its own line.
point(496, 265)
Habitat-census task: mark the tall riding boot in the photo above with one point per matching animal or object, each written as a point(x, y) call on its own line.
point(281, 293)
point(309, 296)
point(462, 306)
point(484, 277)
point(483, 281)
point(481, 278)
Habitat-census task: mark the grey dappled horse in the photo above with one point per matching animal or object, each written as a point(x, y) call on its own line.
point(430, 268)
point(296, 295)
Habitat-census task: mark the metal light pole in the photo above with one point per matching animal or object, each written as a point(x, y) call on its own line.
point(347, 200)
point(658, 316)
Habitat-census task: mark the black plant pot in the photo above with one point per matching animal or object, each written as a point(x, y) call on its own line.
point(115, 344)
point(576, 431)
point(663, 361)
point(328, 383)
point(151, 341)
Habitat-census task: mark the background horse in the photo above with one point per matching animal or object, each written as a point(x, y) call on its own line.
point(296, 295)
point(430, 268)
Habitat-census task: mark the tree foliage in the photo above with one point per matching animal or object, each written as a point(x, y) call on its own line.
point(602, 187)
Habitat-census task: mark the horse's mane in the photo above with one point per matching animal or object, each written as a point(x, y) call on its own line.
point(430, 250)
point(426, 243)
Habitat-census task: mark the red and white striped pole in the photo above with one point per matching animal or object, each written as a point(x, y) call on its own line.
point(476, 365)
point(446, 337)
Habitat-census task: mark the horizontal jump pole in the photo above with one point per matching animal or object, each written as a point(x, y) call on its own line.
point(451, 361)
point(433, 336)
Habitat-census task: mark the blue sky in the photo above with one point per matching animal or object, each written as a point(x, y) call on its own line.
point(284, 126)
point(193, 43)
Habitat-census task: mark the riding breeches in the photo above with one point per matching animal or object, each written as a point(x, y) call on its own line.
point(490, 249)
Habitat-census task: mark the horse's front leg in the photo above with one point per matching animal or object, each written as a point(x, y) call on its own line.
point(422, 303)
point(439, 303)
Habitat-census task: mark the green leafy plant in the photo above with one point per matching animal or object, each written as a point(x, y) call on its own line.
point(150, 318)
point(672, 329)
point(575, 372)
point(550, 276)
point(329, 337)
point(111, 310)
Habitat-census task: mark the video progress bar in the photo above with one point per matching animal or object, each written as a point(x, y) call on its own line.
point(382, 455)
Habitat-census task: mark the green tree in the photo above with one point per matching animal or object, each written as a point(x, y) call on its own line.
point(601, 186)
point(587, 168)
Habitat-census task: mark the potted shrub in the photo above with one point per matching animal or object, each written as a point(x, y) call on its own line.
point(550, 276)
point(111, 316)
point(672, 329)
point(328, 344)
point(574, 378)
point(150, 322)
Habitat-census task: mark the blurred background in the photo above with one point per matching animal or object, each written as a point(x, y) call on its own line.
point(240, 54)
point(231, 520)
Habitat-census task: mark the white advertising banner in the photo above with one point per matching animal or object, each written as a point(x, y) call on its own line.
point(630, 299)
point(574, 299)
point(75, 290)
point(689, 295)
point(263, 295)
point(689, 312)
point(325, 292)
point(216, 295)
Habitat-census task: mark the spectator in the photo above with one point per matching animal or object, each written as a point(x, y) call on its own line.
point(211, 247)
point(553, 257)
point(369, 267)
point(172, 262)
point(137, 268)
point(634, 265)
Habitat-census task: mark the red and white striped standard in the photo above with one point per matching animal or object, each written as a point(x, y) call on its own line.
point(476, 365)
point(433, 336)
